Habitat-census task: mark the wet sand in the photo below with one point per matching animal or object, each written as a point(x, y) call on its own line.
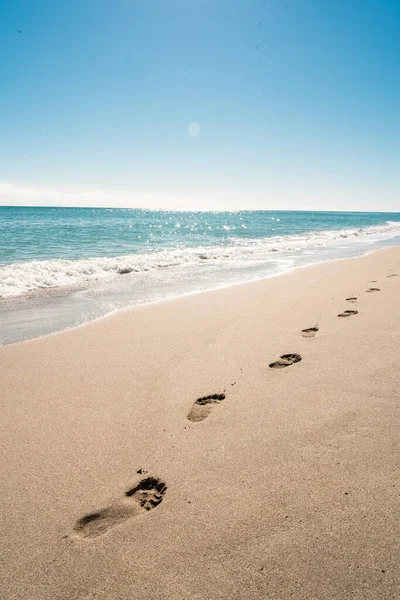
point(170, 452)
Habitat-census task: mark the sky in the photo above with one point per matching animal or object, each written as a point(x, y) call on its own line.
point(201, 104)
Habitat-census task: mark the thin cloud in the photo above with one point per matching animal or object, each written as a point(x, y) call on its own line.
point(289, 198)
point(16, 195)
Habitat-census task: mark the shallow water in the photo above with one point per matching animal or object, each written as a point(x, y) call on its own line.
point(61, 267)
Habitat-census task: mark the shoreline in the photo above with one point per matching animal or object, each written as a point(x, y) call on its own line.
point(124, 309)
point(156, 453)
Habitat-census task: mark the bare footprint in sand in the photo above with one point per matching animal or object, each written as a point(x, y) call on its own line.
point(310, 332)
point(373, 290)
point(352, 299)
point(348, 313)
point(202, 407)
point(285, 361)
point(144, 496)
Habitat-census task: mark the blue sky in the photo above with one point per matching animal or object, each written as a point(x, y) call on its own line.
point(297, 103)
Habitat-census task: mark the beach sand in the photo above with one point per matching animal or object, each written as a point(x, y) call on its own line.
point(283, 485)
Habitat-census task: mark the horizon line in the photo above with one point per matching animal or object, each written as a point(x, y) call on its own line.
point(223, 210)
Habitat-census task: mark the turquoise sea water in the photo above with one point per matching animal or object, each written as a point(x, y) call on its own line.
point(73, 233)
point(64, 266)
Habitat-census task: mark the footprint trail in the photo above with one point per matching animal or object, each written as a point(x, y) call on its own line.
point(143, 497)
point(202, 407)
point(348, 313)
point(285, 361)
point(309, 332)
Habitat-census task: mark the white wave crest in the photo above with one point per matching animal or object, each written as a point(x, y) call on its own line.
point(23, 277)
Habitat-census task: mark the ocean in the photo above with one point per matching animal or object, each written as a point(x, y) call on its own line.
point(61, 267)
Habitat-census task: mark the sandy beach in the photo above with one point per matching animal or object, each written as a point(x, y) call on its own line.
point(156, 454)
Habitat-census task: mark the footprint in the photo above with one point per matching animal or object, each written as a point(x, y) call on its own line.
point(285, 361)
point(392, 275)
point(202, 407)
point(352, 299)
point(145, 496)
point(373, 281)
point(373, 290)
point(348, 313)
point(310, 332)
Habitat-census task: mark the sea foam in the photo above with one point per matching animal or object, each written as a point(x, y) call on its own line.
point(22, 277)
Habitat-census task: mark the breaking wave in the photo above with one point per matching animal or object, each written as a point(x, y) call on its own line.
point(22, 277)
